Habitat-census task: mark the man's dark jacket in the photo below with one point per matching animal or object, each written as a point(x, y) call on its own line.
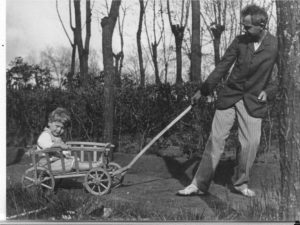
point(251, 74)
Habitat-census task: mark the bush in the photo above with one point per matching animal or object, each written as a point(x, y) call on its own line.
point(140, 114)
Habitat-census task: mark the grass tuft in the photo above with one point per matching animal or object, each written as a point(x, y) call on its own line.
point(72, 205)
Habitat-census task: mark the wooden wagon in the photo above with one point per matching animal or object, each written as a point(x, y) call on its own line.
point(98, 180)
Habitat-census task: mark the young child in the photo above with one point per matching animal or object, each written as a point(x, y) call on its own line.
point(58, 121)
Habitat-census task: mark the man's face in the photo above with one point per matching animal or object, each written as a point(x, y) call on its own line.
point(253, 31)
point(56, 128)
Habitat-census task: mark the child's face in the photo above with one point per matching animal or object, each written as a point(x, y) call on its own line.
point(56, 128)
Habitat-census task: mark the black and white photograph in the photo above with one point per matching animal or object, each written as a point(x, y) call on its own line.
point(149, 111)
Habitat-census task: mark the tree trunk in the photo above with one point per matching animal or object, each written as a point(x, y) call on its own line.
point(71, 73)
point(139, 45)
point(178, 32)
point(78, 37)
point(83, 51)
point(108, 24)
point(155, 63)
point(118, 67)
point(166, 59)
point(166, 71)
point(73, 58)
point(119, 57)
point(217, 31)
point(86, 51)
point(289, 109)
point(72, 70)
point(196, 48)
point(37, 83)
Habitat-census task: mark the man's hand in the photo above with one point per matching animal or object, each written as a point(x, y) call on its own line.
point(196, 97)
point(262, 96)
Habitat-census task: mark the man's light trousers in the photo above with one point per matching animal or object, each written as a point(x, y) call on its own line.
point(249, 132)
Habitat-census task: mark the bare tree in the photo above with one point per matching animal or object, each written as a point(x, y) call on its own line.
point(153, 45)
point(119, 57)
point(70, 75)
point(217, 10)
point(234, 23)
point(166, 54)
point(83, 49)
point(196, 54)
point(288, 31)
point(94, 62)
point(108, 24)
point(58, 61)
point(178, 32)
point(139, 45)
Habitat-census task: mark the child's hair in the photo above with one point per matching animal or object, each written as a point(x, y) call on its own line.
point(60, 115)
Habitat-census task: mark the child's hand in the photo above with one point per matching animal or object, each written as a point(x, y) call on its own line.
point(64, 146)
point(67, 154)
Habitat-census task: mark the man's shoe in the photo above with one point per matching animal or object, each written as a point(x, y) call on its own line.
point(190, 190)
point(245, 191)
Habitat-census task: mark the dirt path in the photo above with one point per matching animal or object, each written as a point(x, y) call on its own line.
point(154, 181)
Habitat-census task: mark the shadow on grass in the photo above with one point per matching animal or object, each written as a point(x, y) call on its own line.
point(14, 155)
point(143, 182)
point(224, 172)
point(68, 183)
point(184, 171)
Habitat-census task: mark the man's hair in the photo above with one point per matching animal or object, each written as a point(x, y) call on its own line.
point(258, 15)
point(60, 115)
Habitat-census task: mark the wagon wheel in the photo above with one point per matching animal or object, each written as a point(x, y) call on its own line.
point(117, 179)
point(97, 181)
point(43, 180)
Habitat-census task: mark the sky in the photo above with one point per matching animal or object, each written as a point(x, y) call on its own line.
point(32, 25)
point(28, 29)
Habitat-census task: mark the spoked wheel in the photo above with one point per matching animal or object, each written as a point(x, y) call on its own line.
point(97, 181)
point(116, 180)
point(42, 179)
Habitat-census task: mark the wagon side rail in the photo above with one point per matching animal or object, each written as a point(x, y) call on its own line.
point(75, 145)
point(78, 151)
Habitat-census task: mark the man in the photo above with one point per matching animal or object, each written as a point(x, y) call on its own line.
point(244, 96)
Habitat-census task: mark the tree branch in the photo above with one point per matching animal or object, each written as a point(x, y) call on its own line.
point(61, 22)
point(88, 26)
point(169, 13)
point(187, 13)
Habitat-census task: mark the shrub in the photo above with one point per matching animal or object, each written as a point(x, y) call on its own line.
point(140, 114)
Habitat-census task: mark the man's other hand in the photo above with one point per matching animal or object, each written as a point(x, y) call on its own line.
point(196, 97)
point(262, 97)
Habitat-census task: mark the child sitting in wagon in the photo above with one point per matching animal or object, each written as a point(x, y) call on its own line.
point(51, 137)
